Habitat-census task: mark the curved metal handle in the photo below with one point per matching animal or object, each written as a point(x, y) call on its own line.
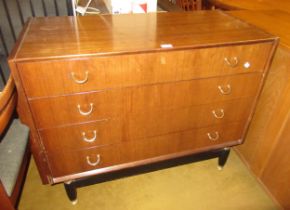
point(232, 62)
point(97, 162)
point(213, 138)
point(85, 113)
point(91, 139)
point(226, 90)
point(218, 115)
point(80, 81)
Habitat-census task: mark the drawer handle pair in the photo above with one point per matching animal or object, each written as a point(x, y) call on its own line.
point(214, 137)
point(232, 62)
point(89, 140)
point(218, 114)
point(78, 81)
point(225, 90)
point(84, 113)
point(97, 162)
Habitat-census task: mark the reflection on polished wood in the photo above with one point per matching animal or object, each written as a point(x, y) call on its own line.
point(99, 35)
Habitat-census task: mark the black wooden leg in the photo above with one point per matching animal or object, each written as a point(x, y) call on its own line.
point(223, 157)
point(71, 191)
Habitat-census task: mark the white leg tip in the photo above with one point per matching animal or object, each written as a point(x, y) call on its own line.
point(220, 168)
point(74, 202)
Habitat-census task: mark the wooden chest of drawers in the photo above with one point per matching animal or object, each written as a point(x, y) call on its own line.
point(105, 93)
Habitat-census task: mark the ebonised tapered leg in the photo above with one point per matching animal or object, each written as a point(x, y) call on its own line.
point(223, 157)
point(71, 191)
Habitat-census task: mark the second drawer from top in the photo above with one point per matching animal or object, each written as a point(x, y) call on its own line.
point(80, 108)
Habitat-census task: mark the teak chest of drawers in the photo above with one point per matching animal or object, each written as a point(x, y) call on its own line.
point(105, 93)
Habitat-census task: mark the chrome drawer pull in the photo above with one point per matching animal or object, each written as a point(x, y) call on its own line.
point(80, 81)
point(218, 115)
point(226, 90)
point(213, 138)
point(232, 62)
point(88, 112)
point(94, 163)
point(91, 139)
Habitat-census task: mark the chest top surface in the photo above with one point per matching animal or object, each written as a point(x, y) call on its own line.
point(54, 37)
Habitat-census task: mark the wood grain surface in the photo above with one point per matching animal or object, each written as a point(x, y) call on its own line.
point(267, 143)
point(138, 69)
point(100, 35)
point(112, 78)
point(75, 162)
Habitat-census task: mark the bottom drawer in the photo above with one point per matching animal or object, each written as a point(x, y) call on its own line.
point(65, 163)
point(182, 142)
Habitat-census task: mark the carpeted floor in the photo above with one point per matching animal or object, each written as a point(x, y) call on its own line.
point(196, 186)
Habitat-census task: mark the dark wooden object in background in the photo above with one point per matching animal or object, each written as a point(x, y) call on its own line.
point(168, 6)
point(190, 5)
point(8, 101)
point(253, 5)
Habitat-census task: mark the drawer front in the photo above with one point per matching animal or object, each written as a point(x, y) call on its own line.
point(138, 127)
point(201, 138)
point(82, 136)
point(160, 123)
point(56, 111)
point(64, 163)
point(96, 73)
point(144, 125)
point(150, 120)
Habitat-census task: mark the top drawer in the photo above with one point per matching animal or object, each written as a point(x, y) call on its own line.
point(59, 77)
